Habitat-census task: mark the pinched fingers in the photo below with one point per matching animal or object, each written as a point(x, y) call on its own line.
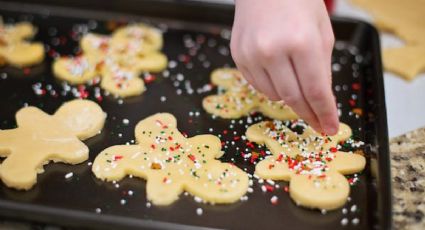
point(310, 64)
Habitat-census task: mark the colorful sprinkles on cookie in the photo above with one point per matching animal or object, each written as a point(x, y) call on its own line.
point(172, 163)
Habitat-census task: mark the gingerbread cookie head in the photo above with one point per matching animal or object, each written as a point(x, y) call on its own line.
point(172, 163)
point(137, 37)
point(41, 138)
point(310, 161)
point(239, 98)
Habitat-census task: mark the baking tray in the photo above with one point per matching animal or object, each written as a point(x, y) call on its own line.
point(75, 202)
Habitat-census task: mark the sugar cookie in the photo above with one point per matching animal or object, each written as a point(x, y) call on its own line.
point(78, 69)
point(309, 161)
point(172, 163)
point(15, 50)
point(146, 38)
point(41, 138)
point(118, 59)
point(239, 98)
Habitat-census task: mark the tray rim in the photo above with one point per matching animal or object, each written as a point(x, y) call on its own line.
point(58, 215)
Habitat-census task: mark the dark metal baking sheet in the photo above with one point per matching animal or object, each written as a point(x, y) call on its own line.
point(74, 202)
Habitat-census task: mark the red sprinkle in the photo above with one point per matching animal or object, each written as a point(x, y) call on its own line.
point(150, 78)
point(192, 157)
point(333, 149)
point(118, 157)
point(269, 188)
point(286, 189)
point(356, 86)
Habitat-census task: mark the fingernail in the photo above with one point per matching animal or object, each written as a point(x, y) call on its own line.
point(331, 130)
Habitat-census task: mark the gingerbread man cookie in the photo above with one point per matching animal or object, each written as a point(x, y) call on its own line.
point(118, 59)
point(41, 138)
point(310, 162)
point(239, 98)
point(172, 163)
point(15, 50)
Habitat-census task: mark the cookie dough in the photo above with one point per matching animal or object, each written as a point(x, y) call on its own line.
point(311, 162)
point(118, 59)
point(41, 138)
point(121, 81)
point(77, 70)
point(240, 99)
point(15, 50)
point(172, 163)
point(138, 37)
point(405, 20)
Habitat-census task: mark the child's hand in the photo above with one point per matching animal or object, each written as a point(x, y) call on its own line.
point(283, 48)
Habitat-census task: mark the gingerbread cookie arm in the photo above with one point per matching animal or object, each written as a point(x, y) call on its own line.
point(277, 110)
point(226, 77)
point(347, 163)
point(116, 162)
point(274, 168)
point(228, 105)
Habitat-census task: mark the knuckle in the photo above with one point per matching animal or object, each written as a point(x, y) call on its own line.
point(266, 48)
point(291, 99)
point(315, 93)
point(298, 43)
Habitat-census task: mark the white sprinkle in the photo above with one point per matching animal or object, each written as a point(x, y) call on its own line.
point(148, 204)
point(271, 182)
point(123, 202)
point(323, 211)
point(199, 211)
point(98, 210)
point(197, 199)
point(353, 208)
point(130, 192)
point(355, 221)
point(344, 211)
point(250, 190)
point(69, 175)
point(274, 199)
point(125, 121)
point(344, 221)
point(163, 98)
